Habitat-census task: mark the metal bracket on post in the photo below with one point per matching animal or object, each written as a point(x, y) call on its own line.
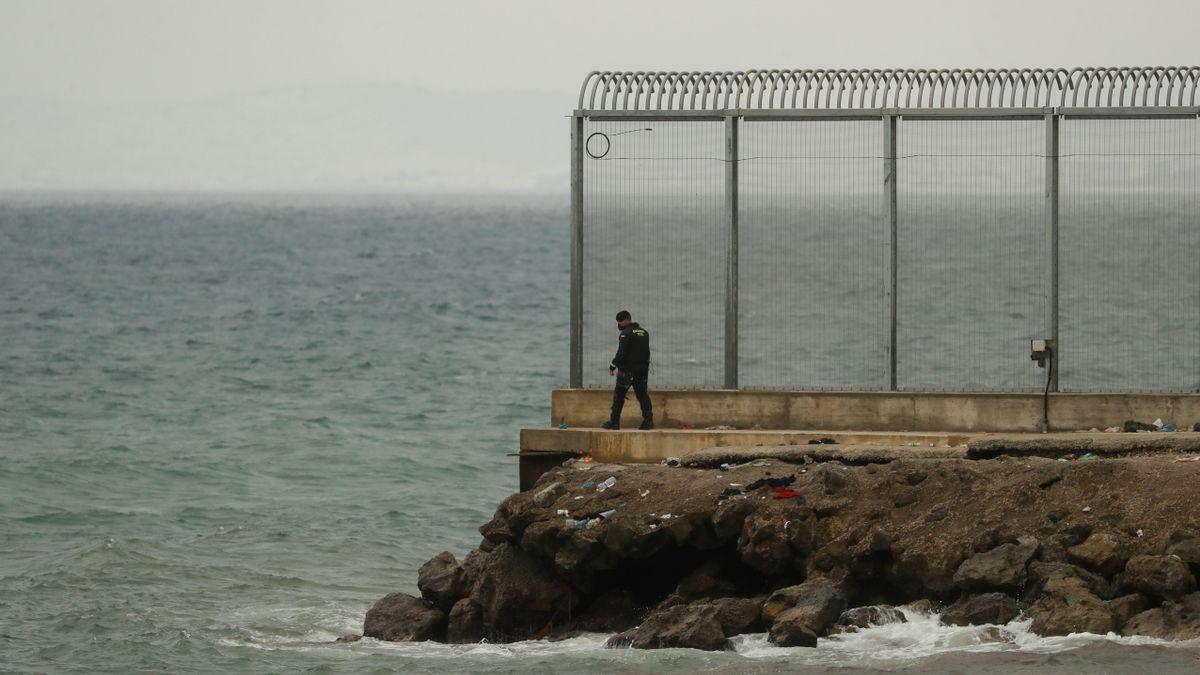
point(576, 368)
point(890, 201)
point(731, 261)
point(1052, 187)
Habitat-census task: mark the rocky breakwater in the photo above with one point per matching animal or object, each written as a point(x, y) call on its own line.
point(687, 557)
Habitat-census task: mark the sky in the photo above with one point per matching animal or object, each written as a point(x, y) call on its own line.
point(359, 95)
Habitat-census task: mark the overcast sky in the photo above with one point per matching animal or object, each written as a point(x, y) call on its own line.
point(161, 94)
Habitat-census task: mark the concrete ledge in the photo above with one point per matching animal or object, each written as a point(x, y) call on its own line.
point(878, 411)
point(1056, 445)
point(655, 446)
point(711, 458)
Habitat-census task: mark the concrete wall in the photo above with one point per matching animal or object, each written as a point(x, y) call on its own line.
point(878, 411)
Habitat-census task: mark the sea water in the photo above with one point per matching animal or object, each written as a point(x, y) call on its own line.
point(229, 424)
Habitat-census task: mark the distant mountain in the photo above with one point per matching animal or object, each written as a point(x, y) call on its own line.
point(385, 138)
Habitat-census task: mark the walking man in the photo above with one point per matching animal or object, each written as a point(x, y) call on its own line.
point(631, 365)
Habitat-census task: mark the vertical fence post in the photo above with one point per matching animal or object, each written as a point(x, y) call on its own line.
point(1052, 272)
point(577, 141)
point(731, 261)
point(890, 203)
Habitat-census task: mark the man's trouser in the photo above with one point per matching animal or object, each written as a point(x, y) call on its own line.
point(637, 380)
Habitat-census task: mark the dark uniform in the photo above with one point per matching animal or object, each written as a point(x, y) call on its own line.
point(633, 368)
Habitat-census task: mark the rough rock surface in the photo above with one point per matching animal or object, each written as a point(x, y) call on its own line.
point(1069, 607)
point(1103, 552)
point(1002, 568)
point(1173, 621)
point(400, 617)
point(696, 626)
point(813, 613)
point(871, 615)
point(976, 610)
point(688, 554)
point(442, 582)
point(1159, 576)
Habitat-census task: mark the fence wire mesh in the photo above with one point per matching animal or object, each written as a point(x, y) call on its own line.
point(971, 272)
point(812, 242)
point(973, 264)
point(655, 243)
point(1130, 239)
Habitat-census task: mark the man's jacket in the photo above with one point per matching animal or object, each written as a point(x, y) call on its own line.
point(633, 350)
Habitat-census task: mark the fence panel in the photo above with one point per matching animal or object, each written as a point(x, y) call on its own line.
point(655, 243)
point(813, 255)
point(1130, 252)
point(971, 253)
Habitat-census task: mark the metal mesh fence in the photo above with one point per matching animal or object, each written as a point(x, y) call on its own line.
point(1130, 254)
point(655, 244)
point(973, 260)
point(971, 274)
point(813, 250)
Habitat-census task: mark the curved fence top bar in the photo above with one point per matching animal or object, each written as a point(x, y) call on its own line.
point(866, 89)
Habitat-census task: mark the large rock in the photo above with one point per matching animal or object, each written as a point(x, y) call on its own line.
point(520, 597)
point(400, 617)
point(1041, 572)
point(1002, 568)
point(1069, 607)
point(727, 519)
point(442, 581)
point(1126, 607)
point(1175, 620)
point(691, 626)
point(774, 545)
point(739, 616)
point(791, 630)
point(1159, 576)
point(814, 613)
point(1186, 545)
point(1102, 552)
point(788, 597)
point(465, 624)
point(976, 610)
point(871, 615)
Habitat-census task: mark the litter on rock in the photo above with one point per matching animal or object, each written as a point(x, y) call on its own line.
point(1193, 458)
point(607, 514)
point(564, 512)
point(671, 461)
point(590, 483)
point(665, 516)
point(608, 482)
point(1086, 509)
point(1088, 456)
point(643, 493)
point(1140, 534)
point(579, 497)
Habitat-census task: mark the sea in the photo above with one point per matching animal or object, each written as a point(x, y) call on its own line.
point(230, 423)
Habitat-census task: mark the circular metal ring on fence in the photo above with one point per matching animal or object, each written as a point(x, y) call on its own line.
point(587, 146)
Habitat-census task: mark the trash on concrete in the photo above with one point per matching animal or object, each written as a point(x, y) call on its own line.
point(720, 427)
point(822, 441)
point(1168, 427)
point(671, 461)
point(1112, 430)
point(1132, 426)
point(562, 425)
point(608, 482)
point(1087, 456)
point(685, 425)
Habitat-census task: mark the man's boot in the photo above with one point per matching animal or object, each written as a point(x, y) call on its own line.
point(609, 424)
point(647, 424)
